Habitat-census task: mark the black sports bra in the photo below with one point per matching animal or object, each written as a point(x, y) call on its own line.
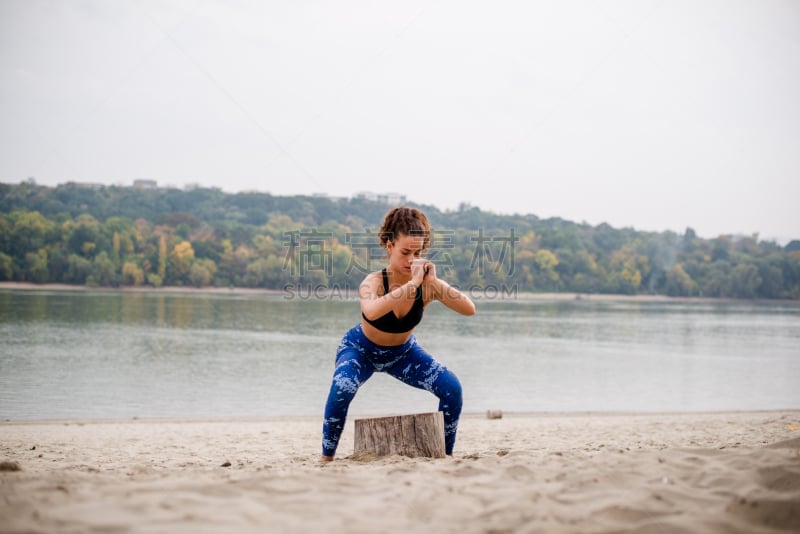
point(389, 322)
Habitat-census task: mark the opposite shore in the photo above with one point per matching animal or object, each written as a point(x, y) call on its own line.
point(323, 292)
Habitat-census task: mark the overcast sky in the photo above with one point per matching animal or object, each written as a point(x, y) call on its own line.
point(659, 115)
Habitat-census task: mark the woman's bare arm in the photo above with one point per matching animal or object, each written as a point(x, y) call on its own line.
point(447, 294)
point(374, 305)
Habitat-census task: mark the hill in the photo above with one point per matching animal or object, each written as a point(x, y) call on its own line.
point(112, 236)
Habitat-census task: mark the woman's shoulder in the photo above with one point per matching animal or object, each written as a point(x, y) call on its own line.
point(374, 275)
point(373, 279)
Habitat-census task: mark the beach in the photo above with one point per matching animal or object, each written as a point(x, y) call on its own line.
point(533, 472)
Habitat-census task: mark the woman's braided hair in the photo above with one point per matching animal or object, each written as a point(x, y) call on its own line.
point(406, 221)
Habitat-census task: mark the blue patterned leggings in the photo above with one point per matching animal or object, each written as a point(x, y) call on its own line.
point(357, 358)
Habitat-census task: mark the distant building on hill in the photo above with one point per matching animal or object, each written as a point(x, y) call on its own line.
point(326, 195)
point(88, 185)
point(385, 198)
point(145, 184)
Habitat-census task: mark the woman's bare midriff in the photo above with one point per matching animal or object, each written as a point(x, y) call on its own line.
point(384, 339)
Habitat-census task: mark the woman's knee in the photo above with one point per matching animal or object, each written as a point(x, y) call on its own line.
point(344, 386)
point(449, 387)
point(347, 378)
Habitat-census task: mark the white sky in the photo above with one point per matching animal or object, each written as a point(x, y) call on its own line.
point(652, 114)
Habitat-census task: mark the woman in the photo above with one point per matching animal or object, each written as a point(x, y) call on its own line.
point(392, 303)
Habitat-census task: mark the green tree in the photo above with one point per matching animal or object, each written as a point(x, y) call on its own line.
point(78, 269)
point(6, 227)
point(678, 283)
point(627, 266)
point(180, 260)
point(6, 267)
point(718, 281)
point(265, 272)
point(36, 266)
point(589, 276)
point(115, 246)
point(202, 272)
point(183, 230)
point(745, 281)
point(132, 274)
point(119, 225)
point(721, 248)
point(162, 256)
point(771, 274)
point(103, 273)
point(546, 263)
point(31, 232)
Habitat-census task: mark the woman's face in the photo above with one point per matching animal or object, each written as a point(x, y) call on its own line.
point(404, 250)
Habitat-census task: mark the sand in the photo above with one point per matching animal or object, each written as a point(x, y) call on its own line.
point(550, 473)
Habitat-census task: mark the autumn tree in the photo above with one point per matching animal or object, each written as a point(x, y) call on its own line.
point(180, 260)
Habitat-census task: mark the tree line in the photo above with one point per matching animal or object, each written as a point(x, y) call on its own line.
point(123, 236)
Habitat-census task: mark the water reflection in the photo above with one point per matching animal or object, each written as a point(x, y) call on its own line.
point(120, 354)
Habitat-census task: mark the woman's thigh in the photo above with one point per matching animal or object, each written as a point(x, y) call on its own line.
point(421, 370)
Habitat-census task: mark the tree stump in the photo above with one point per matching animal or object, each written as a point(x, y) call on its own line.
point(413, 435)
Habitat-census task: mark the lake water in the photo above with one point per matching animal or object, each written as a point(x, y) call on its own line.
point(97, 354)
